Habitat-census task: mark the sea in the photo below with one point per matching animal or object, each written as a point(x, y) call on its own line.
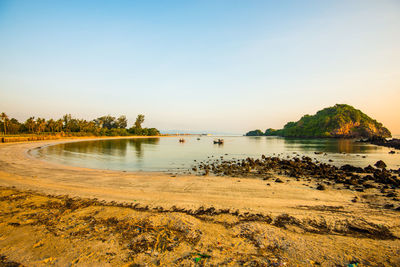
point(168, 154)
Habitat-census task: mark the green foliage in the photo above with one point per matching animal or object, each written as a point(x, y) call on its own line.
point(271, 132)
point(255, 133)
point(139, 121)
point(340, 120)
point(67, 125)
point(144, 131)
point(138, 130)
point(121, 122)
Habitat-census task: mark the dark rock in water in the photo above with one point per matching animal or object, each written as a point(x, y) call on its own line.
point(380, 164)
point(380, 141)
point(303, 167)
point(321, 187)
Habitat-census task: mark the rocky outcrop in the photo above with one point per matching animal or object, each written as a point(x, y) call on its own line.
point(339, 121)
point(346, 129)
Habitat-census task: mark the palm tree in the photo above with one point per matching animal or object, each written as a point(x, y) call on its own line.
point(59, 125)
point(30, 124)
point(51, 124)
point(41, 125)
point(4, 117)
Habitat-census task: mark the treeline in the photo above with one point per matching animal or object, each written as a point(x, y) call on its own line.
point(102, 126)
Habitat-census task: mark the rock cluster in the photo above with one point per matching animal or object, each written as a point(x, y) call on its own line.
point(356, 178)
point(380, 141)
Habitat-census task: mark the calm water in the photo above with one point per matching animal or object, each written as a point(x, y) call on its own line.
point(167, 154)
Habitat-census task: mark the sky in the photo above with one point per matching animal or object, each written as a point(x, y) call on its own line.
point(225, 66)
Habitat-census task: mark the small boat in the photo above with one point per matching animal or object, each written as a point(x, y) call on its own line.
point(181, 140)
point(219, 141)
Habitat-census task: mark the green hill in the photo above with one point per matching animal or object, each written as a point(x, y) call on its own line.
point(341, 121)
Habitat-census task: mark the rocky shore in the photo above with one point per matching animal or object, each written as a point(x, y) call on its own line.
point(379, 141)
point(260, 212)
point(348, 176)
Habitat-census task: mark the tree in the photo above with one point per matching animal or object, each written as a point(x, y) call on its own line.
point(255, 133)
point(67, 122)
point(4, 117)
point(58, 125)
point(30, 124)
point(122, 122)
point(139, 121)
point(40, 125)
point(106, 122)
point(105, 125)
point(51, 125)
point(13, 126)
point(270, 132)
point(153, 131)
point(338, 121)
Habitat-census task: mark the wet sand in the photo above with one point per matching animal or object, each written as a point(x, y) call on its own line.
point(243, 215)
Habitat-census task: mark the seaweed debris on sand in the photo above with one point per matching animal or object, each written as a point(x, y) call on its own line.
point(39, 229)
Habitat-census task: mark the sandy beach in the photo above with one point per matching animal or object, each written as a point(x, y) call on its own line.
point(217, 220)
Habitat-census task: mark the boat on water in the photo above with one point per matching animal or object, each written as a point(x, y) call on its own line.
point(219, 141)
point(181, 140)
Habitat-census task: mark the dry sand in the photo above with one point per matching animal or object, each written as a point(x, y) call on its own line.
point(282, 223)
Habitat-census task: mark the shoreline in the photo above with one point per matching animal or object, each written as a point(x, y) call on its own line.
point(151, 188)
point(245, 211)
point(36, 138)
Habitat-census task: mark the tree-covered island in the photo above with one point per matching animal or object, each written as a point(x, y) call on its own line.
point(339, 121)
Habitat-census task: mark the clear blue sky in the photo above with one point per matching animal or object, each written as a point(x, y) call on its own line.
point(227, 66)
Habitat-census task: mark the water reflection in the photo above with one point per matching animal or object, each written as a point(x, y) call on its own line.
point(104, 147)
point(329, 145)
point(158, 154)
point(115, 147)
point(138, 142)
point(256, 139)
